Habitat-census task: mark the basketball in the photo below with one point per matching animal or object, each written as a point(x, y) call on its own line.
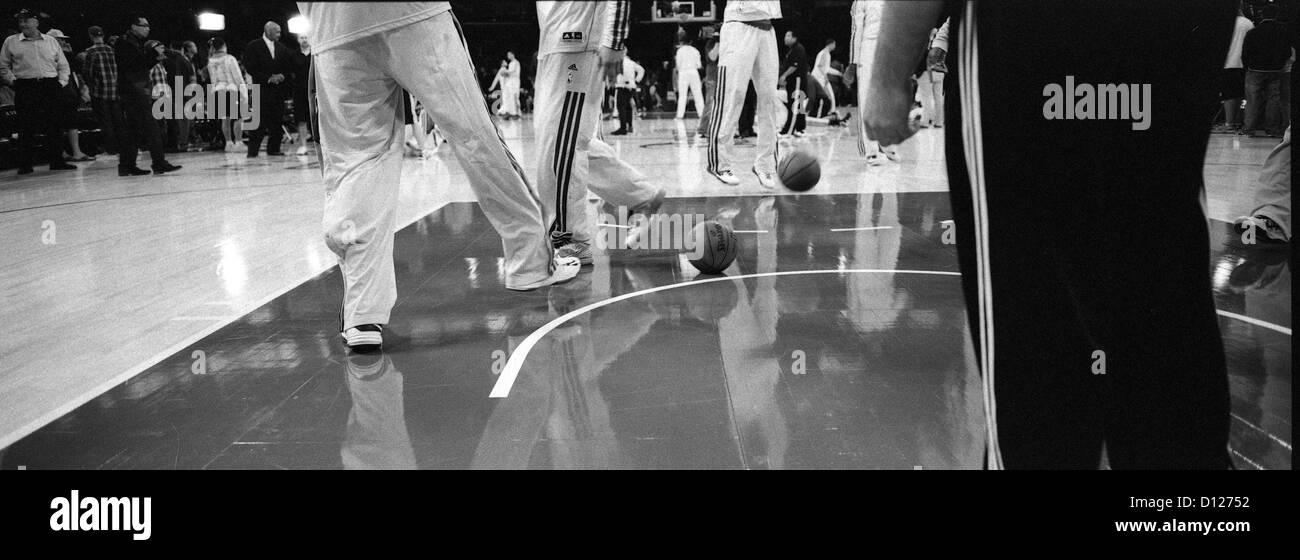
point(799, 171)
point(716, 245)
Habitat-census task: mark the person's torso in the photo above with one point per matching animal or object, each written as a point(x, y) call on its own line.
point(752, 10)
point(223, 70)
point(566, 26)
point(797, 59)
point(338, 23)
point(34, 58)
point(1267, 47)
point(688, 58)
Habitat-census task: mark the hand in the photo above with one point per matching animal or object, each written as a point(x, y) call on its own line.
point(612, 61)
point(885, 116)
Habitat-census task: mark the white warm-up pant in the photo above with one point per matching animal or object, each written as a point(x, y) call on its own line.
point(688, 82)
point(510, 98)
point(866, 146)
point(745, 53)
point(359, 86)
point(929, 91)
point(572, 159)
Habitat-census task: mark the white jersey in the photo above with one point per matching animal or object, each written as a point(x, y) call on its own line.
point(581, 26)
point(338, 23)
point(865, 21)
point(752, 10)
point(822, 67)
point(688, 59)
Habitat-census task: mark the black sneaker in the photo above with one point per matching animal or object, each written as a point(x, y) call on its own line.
point(165, 168)
point(24, 170)
point(132, 172)
point(364, 338)
point(62, 166)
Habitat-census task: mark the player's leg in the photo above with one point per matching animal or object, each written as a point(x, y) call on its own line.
point(735, 65)
point(568, 111)
point(766, 74)
point(430, 59)
point(683, 90)
point(696, 90)
point(360, 145)
point(616, 181)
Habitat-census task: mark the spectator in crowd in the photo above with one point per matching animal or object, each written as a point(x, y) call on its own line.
point(135, 64)
point(33, 63)
point(179, 64)
point(74, 95)
point(688, 65)
point(795, 78)
point(301, 86)
point(159, 87)
point(268, 63)
point(626, 85)
point(229, 89)
point(101, 75)
point(1265, 53)
point(1232, 81)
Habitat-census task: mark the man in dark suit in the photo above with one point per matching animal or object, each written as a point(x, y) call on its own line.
point(270, 65)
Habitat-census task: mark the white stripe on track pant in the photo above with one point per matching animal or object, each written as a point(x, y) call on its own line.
point(572, 158)
point(360, 91)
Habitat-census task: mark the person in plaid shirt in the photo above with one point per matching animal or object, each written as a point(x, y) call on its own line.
point(101, 75)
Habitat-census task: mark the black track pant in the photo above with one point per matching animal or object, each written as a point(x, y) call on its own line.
point(1086, 238)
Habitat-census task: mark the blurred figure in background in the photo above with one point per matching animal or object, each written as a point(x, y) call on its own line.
point(228, 83)
point(101, 75)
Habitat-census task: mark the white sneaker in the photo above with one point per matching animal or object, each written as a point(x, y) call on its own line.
point(232, 147)
point(302, 150)
point(563, 270)
point(764, 178)
point(726, 176)
point(580, 250)
point(364, 337)
point(876, 159)
point(891, 154)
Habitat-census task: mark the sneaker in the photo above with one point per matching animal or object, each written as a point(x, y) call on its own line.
point(764, 178)
point(619, 132)
point(132, 172)
point(364, 338)
point(232, 147)
point(62, 166)
point(563, 269)
point(1273, 233)
point(876, 159)
point(726, 176)
point(165, 168)
point(580, 250)
point(302, 150)
point(24, 170)
point(891, 154)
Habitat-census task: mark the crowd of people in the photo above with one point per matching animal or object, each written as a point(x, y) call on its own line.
point(50, 94)
point(1258, 71)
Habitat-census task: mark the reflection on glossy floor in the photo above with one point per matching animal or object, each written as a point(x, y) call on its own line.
point(834, 368)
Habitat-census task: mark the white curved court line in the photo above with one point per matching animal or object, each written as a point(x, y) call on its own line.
point(1254, 321)
point(507, 379)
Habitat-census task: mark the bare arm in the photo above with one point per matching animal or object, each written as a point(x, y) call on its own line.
point(904, 31)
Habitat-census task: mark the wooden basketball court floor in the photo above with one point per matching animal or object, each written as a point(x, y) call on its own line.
point(189, 321)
